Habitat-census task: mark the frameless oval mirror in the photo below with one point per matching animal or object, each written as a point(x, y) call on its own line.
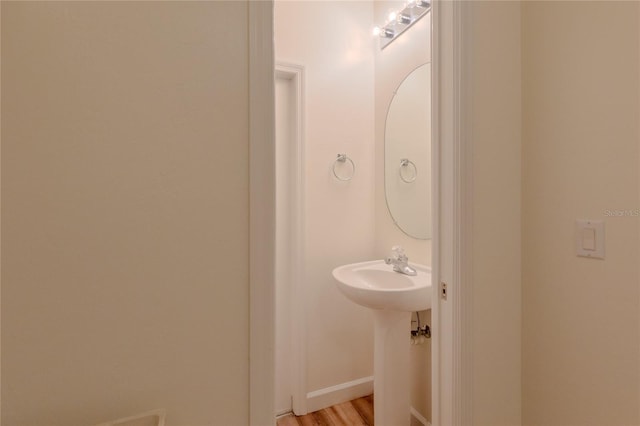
point(407, 154)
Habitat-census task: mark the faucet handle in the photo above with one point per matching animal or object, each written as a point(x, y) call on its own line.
point(398, 252)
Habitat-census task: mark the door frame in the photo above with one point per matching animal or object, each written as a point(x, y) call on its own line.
point(452, 384)
point(262, 215)
point(295, 75)
point(452, 340)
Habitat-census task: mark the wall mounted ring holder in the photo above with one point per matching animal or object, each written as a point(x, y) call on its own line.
point(406, 164)
point(338, 163)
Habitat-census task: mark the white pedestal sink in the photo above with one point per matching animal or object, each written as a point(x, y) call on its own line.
point(392, 296)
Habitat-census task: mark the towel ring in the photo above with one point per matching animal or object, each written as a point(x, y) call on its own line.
point(404, 162)
point(342, 158)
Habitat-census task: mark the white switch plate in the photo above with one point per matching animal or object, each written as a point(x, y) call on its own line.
point(586, 232)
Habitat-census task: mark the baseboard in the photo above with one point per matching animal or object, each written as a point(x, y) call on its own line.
point(417, 418)
point(323, 398)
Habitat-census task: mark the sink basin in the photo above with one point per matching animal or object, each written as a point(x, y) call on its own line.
point(376, 285)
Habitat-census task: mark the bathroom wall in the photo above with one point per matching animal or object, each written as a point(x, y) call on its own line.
point(495, 63)
point(392, 65)
point(124, 212)
point(580, 130)
point(332, 40)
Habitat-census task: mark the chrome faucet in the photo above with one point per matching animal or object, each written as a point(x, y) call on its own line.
point(399, 260)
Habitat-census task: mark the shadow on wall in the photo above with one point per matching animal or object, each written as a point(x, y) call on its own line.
point(150, 418)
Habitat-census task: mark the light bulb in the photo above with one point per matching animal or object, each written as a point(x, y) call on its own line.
point(376, 31)
point(392, 16)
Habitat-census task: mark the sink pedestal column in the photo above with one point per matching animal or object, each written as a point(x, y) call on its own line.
point(391, 368)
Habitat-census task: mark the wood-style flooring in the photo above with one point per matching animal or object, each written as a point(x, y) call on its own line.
point(358, 412)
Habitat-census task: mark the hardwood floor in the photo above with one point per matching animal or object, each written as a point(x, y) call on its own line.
point(358, 412)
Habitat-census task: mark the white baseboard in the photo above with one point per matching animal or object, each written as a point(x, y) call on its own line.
point(417, 418)
point(323, 398)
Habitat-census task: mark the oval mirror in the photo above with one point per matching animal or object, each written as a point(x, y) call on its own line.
point(407, 154)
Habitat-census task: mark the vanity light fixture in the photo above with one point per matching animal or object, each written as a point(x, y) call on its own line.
point(383, 32)
point(399, 22)
point(403, 19)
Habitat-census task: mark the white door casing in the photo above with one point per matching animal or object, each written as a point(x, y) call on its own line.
point(293, 77)
point(452, 340)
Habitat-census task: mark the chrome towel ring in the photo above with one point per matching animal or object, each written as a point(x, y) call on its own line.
point(342, 158)
point(404, 164)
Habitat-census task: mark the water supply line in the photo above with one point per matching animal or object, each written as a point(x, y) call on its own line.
point(420, 334)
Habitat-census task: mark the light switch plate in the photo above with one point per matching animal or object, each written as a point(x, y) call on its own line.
point(590, 238)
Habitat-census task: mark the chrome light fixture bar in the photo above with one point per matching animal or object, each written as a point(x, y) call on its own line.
point(401, 21)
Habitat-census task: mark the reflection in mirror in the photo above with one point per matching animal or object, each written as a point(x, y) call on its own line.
point(407, 154)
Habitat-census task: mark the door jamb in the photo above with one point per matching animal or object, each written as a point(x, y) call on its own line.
point(452, 378)
point(261, 380)
point(295, 73)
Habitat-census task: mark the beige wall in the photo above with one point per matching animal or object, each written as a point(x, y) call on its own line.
point(496, 98)
point(331, 40)
point(578, 66)
point(392, 65)
point(125, 211)
point(580, 158)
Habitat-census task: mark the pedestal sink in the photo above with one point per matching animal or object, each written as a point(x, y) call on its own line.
point(392, 296)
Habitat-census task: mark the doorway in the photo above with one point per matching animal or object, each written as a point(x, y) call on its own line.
point(452, 367)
